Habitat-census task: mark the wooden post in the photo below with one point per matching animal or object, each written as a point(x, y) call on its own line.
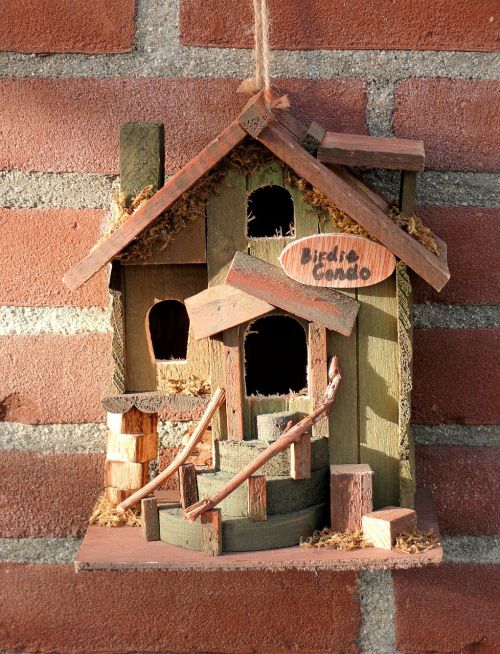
point(382, 527)
point(234, 384)
point(188, 485)
point(407, 192)
point(150, 523)
point(211, 532)
point(350, 495)
point(257, 498)
point(300, 458)
point(317, 372)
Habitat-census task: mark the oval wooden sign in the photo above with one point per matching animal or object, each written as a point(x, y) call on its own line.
point(337, 261)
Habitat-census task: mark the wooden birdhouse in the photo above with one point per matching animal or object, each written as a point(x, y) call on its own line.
point(249, 269)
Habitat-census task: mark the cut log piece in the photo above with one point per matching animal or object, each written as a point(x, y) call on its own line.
point(257, 498)
point(382, 527)
point(371, 151)
point(270, 426)
point(350, 495)
point(150, 523)
point(324, 306)
point(136, 448)
point(300, 458)
point(221, 307)
point(125, 475)
point(117, 495)
point(188, 484)
point(132, 421)
point(211, 532)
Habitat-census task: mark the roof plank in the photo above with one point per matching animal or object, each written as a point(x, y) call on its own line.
point(324, 306)
point(371, 151)
point(356, 204)
point(221, 307)
point(164, 198)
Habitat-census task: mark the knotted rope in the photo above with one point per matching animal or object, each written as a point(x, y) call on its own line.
point(262, 78)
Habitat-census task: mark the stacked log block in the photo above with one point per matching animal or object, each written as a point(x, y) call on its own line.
point(132, 444)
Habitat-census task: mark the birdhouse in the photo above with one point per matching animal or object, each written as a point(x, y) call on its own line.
point(262, 259)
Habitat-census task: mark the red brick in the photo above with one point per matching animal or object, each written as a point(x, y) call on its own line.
point(73, 124)
point(451, 608)
point(93, 26)
point(51, 608)
point(456, 119)
point(464, 483)
point(47, 494)
point(473, 239)
point(54, 378)
point(456, 377)
point(337, 25)
point(42, 245)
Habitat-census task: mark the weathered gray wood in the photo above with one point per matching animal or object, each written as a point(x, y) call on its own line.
point(150, 524)
point(271, 426)
point(408, 189)
point(324, 306)
point(142, 160)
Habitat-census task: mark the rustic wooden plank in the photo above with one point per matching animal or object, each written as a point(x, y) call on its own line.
point(378, 388)
point(337, 261)
point(150, 523)
point(204, 161)
point(322, 305)
point(288, 120)
point(350, 495)
point(317, 373)
point(314, 137)
point(300, 458)
point(430, 267)
point(256, 115)
point(136, 448)
point(371, 151)
point(235, 384)
point(380, 528)
point(257, 498)
point(142, 157)
point(407, 203)
point(188, 485)
point(211, 532)
point(221, 307)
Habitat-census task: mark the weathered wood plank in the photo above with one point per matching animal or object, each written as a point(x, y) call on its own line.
point(235, 384)
point(142, 157)
point(371, 151)
point(378, 388)
point(324, 306)
point(221, 307)
point(257, 498)
point(204, 161)
point(407, 193)
point(188, 485)
point(317, 373)
point(382, 527)
point(430, 267)
point(150, 523)
point(300, 458)
point(211, 532)
point(350, 495)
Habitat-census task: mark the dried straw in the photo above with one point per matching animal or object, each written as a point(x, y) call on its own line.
point(192, 385)
point(105, 515)
point(335, 540)
point(412, 542)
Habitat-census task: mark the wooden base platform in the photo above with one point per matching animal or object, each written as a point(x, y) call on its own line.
point(123, 548)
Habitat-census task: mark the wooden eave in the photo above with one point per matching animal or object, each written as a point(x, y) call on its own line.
point(279, 135)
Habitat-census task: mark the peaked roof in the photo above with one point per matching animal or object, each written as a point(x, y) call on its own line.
point(281, 133)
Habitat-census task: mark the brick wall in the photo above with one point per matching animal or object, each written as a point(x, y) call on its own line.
point(374, 67)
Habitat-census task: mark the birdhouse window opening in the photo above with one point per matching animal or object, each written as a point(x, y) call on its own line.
point(270, 213)
point(275, 357)
point(167, 325)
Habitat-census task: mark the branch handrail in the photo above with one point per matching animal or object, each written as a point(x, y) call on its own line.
point(289, 436)
point(217, 399)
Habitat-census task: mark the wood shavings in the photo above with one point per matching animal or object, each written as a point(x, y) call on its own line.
point(121, 210)
point(106, 515)
point(192, 385)
point(335, 540)
point(412, 542)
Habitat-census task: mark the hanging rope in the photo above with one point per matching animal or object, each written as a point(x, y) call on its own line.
point(261, 79)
